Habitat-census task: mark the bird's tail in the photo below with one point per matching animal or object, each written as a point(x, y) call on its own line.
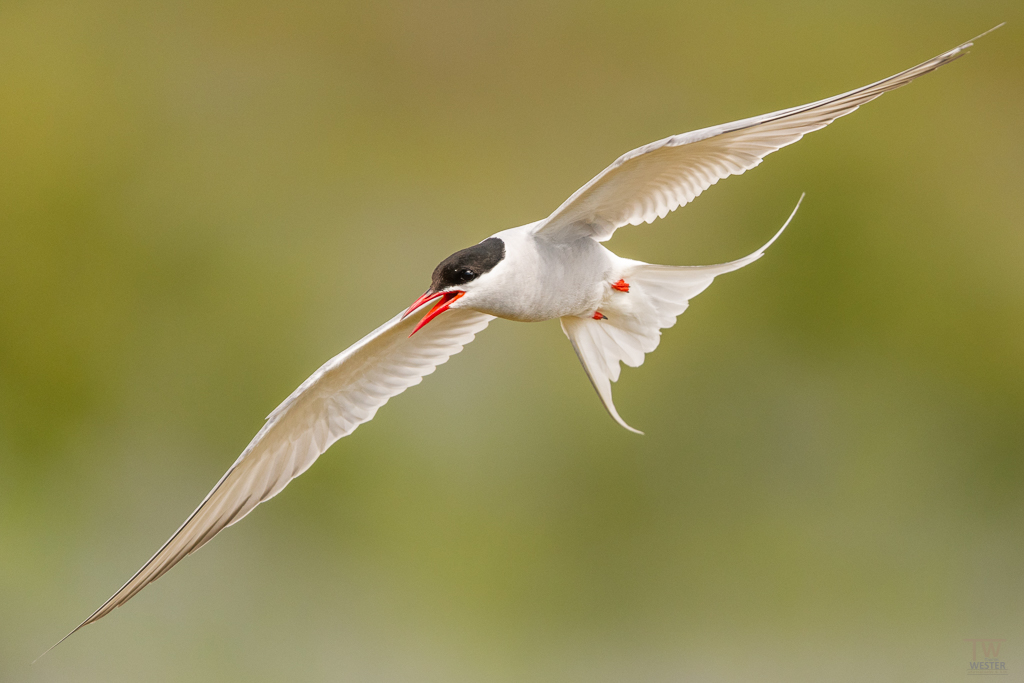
point(670, 288)
point(653, 297)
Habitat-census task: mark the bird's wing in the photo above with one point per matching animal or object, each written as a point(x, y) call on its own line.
point(650, 181)
point(336, 399)
point(658, 295)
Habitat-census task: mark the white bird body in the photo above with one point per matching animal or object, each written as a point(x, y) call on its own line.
point(540, 279)
point(611, 308)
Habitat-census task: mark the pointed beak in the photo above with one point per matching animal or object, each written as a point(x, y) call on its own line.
point(447, 299)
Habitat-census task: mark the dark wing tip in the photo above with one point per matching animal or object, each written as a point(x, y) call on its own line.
point(75, 630)
point(982, 35)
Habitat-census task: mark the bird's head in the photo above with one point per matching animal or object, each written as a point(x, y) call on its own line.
point(457, 275)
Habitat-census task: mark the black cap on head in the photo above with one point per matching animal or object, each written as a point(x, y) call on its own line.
point(467, 265)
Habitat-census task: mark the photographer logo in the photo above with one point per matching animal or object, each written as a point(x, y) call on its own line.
point(985, 659)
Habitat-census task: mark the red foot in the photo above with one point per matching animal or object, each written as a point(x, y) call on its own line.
point(598, 315)
point(621, 285)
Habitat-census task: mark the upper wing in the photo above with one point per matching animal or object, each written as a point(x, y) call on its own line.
point(649, 182)
point(657, 296)
point(345, 392)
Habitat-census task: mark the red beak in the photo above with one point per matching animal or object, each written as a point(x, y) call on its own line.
point(447, 299)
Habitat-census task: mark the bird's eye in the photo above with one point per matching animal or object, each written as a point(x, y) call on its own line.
point(465, 275)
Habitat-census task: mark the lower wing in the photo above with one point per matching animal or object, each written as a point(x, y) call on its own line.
point(345, 392)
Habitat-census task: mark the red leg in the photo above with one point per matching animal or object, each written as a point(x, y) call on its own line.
point(621, 285)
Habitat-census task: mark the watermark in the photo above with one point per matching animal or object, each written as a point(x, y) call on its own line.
point(985, 659)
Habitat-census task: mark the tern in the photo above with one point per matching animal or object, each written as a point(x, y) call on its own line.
point(612, 309)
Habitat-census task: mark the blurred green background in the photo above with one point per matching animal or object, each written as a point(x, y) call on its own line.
point(201, 202)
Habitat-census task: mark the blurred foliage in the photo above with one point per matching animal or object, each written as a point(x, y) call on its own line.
point(201, 202)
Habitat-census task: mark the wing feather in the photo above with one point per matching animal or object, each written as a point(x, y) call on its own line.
point(345, 392)
point(651, 181)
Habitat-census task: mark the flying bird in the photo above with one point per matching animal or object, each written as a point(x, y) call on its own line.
point(612, 309)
